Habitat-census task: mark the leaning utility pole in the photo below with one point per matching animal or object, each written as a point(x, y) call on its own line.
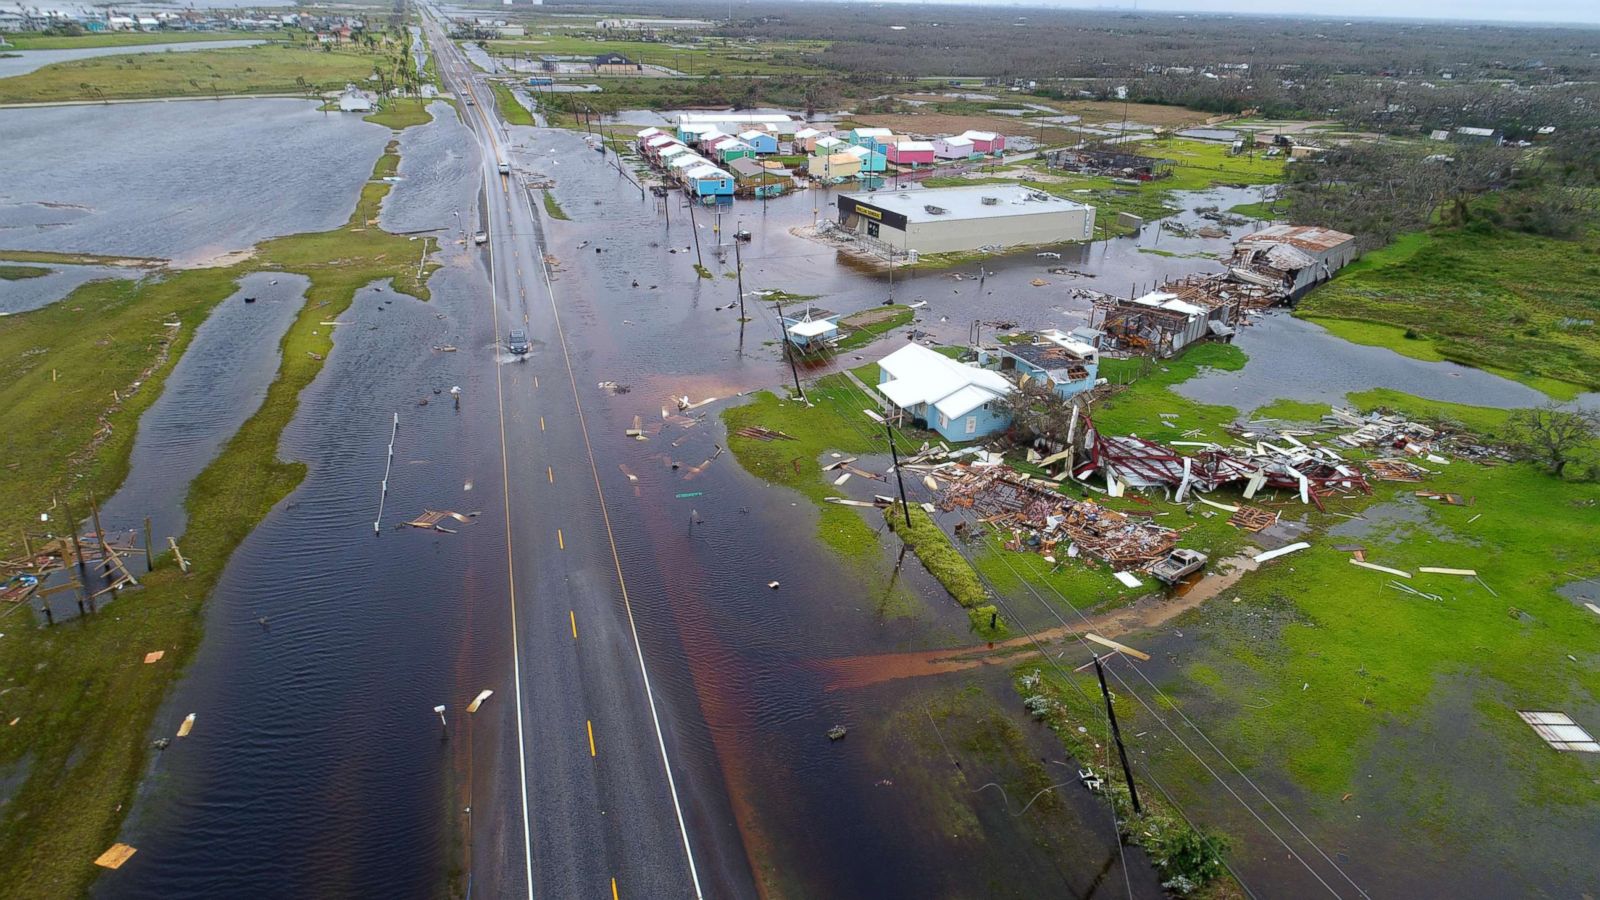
point(695, 229)
point(1116, 735)
point(895, 455)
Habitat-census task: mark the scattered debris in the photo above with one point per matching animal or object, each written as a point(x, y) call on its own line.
point(187, 725)
point(478, 700)
point(1435, 570)
point(773, 585)
point(431, 518)
point(1253, 518)
point(836, 732)
point(1128, 579)
point(1281, 551)
point(154, 656)
point(115, 856)
point(756, 432)
point(1560, 732)
point(1377, 568)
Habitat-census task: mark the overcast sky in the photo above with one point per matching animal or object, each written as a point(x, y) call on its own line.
point(1587, 11)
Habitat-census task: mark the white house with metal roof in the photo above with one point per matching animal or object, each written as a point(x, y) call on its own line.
point(960, 402)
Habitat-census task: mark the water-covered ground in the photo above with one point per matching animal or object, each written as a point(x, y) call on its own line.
point(187, 181)
point(32, 293)
point(21, 62)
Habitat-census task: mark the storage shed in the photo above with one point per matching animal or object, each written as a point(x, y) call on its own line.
point(943, 220)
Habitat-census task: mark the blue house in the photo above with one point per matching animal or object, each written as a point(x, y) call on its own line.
point(709, 181)
point(813, 329)
point(764, 142)
point(871, 138)
point(1070, 366)
point(960, 402)
point(871, 160)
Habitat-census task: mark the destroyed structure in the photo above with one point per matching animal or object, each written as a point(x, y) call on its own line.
point(1293, 258)
point(1066, 364)
point(1110, 163)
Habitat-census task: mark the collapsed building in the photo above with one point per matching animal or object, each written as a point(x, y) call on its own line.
point(1110, 163)
point(1291, 258)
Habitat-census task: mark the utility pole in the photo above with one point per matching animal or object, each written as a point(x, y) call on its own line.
point(695, 229)
point(788, 353)
point(895, 455)
point(738, 268)
point(1116, 735)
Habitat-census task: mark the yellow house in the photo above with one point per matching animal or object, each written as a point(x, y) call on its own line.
point(834, 165)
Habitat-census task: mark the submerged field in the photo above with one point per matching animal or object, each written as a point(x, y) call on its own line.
point(78, 698)
point(1506, 301)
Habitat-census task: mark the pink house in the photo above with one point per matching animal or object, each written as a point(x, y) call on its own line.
point(955, 147)
point(909, 153)
point(986, 141)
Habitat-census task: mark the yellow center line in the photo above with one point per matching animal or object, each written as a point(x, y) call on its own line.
point(535, 378)
point(574, 616)
point(551, 472)
point(614, 890)
point(541, 419)
point(590, 723)
point(561, 541)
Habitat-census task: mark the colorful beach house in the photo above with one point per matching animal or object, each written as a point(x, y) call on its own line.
point(954, 147)
point(709, 181)
point(763, 142)
point(909, 153)
point(833, 166)
point(871, 160)
point(986, 141)
point(805, 140)
point(871, 138)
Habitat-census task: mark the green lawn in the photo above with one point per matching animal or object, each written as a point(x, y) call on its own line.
point(81, 699)
point(866, 334)
point(552, 207)
point(510, 110)
point(18, 273)
point(1506, 301)
point(401, 113)
point(946, 564)
point(271, 68)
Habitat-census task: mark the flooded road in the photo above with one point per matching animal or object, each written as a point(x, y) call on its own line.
point(206, 169)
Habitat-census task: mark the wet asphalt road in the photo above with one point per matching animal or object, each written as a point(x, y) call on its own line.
point(594, 803)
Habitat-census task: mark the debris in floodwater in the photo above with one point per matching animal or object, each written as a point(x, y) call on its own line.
point(187, 726)
point(431, 518)
point(611, 387)
point(836, 732)
point(478, 700)
point(115, 856)
point(773, 585)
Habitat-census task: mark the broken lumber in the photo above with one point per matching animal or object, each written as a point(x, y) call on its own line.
point(1377, 568)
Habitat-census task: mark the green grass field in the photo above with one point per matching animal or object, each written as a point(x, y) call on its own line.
point(1510, 302)
point(401, 113)
point(552, 207)
point(510, 109)
point(714, 57)
point(271, 68)
point(81, 699)
point(29, 41)
point(18, 273)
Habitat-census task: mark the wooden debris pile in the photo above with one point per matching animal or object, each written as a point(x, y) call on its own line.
point(430, 519)
point(1043, 519)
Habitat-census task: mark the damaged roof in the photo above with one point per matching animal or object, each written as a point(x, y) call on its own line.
point(1306, 237)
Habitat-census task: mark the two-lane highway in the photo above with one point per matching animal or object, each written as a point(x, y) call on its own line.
point(598, 810)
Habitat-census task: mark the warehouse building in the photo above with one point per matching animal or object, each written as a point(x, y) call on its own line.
point(942, 220)
point(1294, 258)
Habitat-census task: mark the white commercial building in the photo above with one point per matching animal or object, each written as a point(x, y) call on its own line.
point(942, 220)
